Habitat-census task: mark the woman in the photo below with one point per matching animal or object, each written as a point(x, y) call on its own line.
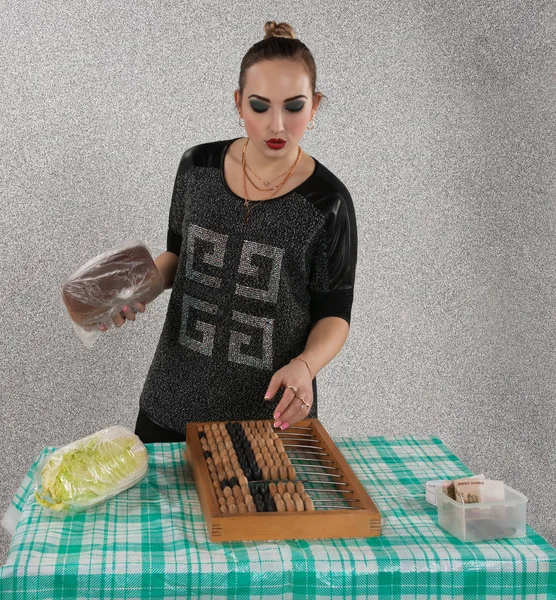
point(261, 257)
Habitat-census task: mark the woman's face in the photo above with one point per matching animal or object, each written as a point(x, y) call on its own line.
point(277, 103)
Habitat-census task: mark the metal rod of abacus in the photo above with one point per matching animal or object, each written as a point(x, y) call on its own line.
point(342, 501)
point(318, 490)
point(324, 482)
point(311, 464)
point(319, 473)
point(336, 507)
point(311, 460)
point(309, 452)
point(301, 446)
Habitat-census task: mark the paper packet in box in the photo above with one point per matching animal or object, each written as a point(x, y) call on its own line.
point(473, 491)
point(432, 488)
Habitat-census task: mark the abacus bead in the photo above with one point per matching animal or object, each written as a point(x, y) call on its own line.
point(286, 496)
point(242, 480)
point(251, 507)
point(272, 489)
point(281, 487)
point(273, 472)
point(280, 506)
point(248, 499)
point(291, 473)
point(228, 492)
point(232, 508)
point(265, 471)
point(242, 507)
point(290, 487)
point(298, 502)
point(308, 503)
point(222, 501)
point(283, 472)
point(224, 509)
point(299, 488)
point(290, 506)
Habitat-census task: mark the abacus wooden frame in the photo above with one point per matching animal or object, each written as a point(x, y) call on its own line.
point(331, 523)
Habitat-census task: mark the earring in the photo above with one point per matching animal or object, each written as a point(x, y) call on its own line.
point(311, 122)
point(240, 122)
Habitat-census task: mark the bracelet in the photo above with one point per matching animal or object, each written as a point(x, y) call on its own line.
point(306, 364)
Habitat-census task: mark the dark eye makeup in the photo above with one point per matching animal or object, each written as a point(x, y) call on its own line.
point(261, 107)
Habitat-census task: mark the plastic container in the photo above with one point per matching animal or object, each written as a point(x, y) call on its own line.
point(484, 520)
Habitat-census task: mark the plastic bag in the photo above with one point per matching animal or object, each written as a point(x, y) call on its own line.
point(97, 291)
point(90, 470)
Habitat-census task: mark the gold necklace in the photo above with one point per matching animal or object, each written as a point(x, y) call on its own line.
point(265, 182)
point(247, 199)
point(256, 186)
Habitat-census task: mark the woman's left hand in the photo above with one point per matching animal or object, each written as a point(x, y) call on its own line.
point(298, 394)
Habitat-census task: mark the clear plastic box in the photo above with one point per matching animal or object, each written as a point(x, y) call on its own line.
point(484, 520)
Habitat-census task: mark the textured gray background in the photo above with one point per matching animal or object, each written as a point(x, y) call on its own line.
point(440, 121)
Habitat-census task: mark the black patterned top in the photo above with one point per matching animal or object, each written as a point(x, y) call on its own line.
point(245, 295)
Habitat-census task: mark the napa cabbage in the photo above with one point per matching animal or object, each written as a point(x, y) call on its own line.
point(91, 470)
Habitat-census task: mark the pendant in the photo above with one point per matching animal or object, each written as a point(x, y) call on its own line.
point(266, 182)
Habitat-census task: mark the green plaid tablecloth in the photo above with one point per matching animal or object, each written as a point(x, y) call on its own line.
point(150, 542)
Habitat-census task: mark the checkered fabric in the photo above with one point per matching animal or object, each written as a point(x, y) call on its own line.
point(151, 542)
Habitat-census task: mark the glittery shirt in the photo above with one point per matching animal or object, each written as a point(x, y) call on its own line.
point(245, 296)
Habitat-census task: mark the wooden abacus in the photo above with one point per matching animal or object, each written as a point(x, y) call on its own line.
point(259, 483)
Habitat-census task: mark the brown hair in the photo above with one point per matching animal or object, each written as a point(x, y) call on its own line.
point(279, 42)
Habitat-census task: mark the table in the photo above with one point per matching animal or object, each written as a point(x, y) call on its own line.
point(150, 542)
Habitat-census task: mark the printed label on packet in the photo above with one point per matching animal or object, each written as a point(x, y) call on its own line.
point(439, 486)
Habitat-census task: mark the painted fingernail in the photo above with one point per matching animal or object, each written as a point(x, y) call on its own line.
point(276, 415)
point(103, 328)
point(284, 426)
point(126, 307)
point(277, 424)
point(267, 397)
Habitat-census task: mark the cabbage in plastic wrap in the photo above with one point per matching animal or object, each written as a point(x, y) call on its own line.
point(90, 470)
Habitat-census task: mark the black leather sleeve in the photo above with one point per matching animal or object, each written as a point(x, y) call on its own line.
point(175, 218)
point(334, 256)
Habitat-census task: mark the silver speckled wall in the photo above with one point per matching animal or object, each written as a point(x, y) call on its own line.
point(441, 123)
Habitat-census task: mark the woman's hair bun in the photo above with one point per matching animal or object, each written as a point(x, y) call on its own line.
point(273, 29)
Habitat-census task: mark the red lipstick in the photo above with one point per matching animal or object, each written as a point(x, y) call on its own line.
point(275, 143)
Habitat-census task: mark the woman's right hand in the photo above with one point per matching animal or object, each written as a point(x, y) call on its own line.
point(167, 264)
point(128, 312)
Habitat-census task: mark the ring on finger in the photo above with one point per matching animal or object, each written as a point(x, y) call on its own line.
point(292, 388)
point(303, 403)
